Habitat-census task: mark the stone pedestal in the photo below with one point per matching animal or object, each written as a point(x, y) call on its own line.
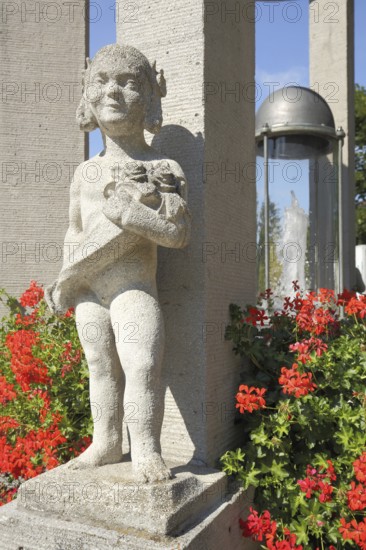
point(104, 509)
point(109, 497)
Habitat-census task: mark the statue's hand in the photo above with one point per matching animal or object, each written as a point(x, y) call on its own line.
point(54, 301)
point(112, 209)
point(116, 207)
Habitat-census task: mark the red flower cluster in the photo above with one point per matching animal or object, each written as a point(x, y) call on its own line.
point(26, 321)
point(288, 543)
point(32, 296)
point(357, 306)
point(7, 392)
point(345, 296)
point(357, 496)
point(304, 348)
point(32, 453)
point(26, 368)
point(359, 467)
point(250, 399)
point(316, 320)
point(310, 316)
point(69, 313)
point(26, 450)
point(314, 482)
point(81, 445)
point(257, 526)
point(291, 305)
point(354, 531)
point(294, 383)
point(256, 316)
point(7, 423)
point(263, 528)
point(6, 495)
point(326, 296)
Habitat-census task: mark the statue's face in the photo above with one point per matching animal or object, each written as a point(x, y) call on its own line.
point(117, 98)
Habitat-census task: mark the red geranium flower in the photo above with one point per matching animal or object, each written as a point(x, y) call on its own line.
point(345, 297)
point(256, 316)
point(250, 399)
point(359, 467)
point(258, 526)
point(294, 383)
point(356, 497)
point(32, 295)
point(314, 482)
point(354, 531)
point(357, 306)
point(26, 368)
point(7, 392)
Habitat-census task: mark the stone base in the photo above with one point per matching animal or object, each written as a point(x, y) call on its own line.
point(109, 496)
point(65, 510)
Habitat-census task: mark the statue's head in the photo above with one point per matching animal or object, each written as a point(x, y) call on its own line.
point(121, 90)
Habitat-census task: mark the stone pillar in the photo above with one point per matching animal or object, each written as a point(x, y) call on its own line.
point(207, 52)
point(43, 46)
point(332, 76)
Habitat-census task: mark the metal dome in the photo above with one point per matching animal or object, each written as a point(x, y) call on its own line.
point(298, 122)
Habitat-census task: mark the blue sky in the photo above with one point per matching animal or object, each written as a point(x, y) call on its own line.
point(282, 55)
point(282, 38)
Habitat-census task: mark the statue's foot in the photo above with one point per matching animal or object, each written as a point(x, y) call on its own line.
point(95, 456)
point(151, 468)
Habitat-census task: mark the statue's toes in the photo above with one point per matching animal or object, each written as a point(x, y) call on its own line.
point(152, 469)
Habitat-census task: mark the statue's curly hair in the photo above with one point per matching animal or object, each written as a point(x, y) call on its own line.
point(140, 65)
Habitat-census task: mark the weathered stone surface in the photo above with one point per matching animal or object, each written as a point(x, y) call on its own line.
point(109, 496)
point(42, 55)
point(207, 52)
point(135, 200)
point(217, 528)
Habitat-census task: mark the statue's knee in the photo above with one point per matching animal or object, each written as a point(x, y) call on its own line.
point(143, 373)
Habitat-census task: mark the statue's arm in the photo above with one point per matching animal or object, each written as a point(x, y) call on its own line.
point(57, 299)
point(172, 231)
point(169, 226)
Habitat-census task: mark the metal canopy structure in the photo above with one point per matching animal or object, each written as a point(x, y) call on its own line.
point(297, 123)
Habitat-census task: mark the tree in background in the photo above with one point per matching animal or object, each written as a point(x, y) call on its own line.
point(275, 266)
point(360, 163)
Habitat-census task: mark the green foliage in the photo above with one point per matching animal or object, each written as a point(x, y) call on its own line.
point(297, 430)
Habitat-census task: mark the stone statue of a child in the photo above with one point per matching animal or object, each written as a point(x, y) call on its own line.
point(123, 203)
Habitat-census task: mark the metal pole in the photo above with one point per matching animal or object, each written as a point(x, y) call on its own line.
point(266, 209)
point(341, 135)
point(317, 270)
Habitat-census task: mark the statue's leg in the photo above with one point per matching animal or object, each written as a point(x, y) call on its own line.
point(140, 343)
point(106, 383)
